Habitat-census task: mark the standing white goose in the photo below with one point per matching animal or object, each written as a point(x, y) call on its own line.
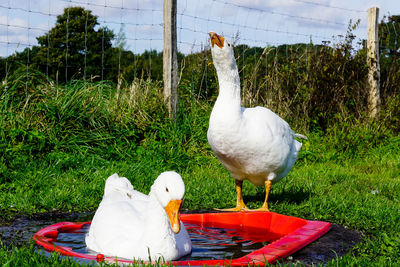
point(133, 225)
point(252, 143)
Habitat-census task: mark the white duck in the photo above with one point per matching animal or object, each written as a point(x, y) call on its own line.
point(133, 225)
point(252, 143)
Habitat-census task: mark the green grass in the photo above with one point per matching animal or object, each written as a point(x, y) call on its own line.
point(58, 149)
point(28, 256)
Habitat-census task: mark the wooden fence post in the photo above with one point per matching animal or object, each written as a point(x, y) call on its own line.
point(373, 63)
point(170, 61)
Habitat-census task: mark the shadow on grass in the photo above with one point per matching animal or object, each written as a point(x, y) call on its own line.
point(292, 197)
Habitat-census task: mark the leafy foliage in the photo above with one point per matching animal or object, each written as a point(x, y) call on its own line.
point(389, 36)
point(389, 46)
point(71, 48)
point(74, 48)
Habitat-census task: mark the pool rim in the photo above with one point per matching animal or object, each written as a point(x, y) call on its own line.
point(296, 234)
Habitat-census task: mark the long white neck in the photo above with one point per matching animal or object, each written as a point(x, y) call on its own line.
point(228, 101)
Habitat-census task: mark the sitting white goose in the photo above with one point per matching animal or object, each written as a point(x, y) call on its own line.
point(252, 143)
point(132, 225)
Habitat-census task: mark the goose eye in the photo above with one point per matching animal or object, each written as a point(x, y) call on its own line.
point(229, 44)
point(166, 189)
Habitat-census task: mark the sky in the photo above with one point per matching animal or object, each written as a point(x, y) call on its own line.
point(256, 23)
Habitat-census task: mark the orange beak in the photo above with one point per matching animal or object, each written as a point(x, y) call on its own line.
point(216, 39)
point(173, 212)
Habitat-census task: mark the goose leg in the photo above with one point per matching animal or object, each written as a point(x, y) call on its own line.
point(240, 206)
point(264, 207)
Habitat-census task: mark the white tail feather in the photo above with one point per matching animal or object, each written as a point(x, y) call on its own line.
point(300, 136)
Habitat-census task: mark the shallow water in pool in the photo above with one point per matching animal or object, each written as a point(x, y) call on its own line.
point(207, 242)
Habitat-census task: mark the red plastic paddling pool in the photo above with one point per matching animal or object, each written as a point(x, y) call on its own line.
point(290, 234)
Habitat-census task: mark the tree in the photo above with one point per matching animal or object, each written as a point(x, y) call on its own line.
point(73, 48)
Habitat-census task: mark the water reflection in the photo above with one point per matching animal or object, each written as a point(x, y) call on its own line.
point(208, 242)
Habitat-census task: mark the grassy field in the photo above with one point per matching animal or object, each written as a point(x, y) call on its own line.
point(59, 144)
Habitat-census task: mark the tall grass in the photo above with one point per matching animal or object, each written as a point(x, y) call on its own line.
point(311, 86)
point(39, 118)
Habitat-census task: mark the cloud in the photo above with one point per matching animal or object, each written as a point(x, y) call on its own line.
point(13, 30)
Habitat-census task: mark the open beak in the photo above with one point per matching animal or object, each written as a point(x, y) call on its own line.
point(173, 212)
point(216, 39)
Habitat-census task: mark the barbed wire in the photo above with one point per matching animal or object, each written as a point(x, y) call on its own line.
point(114, 7)
point(55, 15)
point(27, 10)
point(330, 6)
point(245, 27)
point(23, 27)
point(281, 13)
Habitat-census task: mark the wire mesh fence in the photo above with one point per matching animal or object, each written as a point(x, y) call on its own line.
point(137, 27)
point(289, 58)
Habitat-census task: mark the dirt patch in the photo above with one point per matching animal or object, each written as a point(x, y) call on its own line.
point(21, 229)
point(337, 242)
